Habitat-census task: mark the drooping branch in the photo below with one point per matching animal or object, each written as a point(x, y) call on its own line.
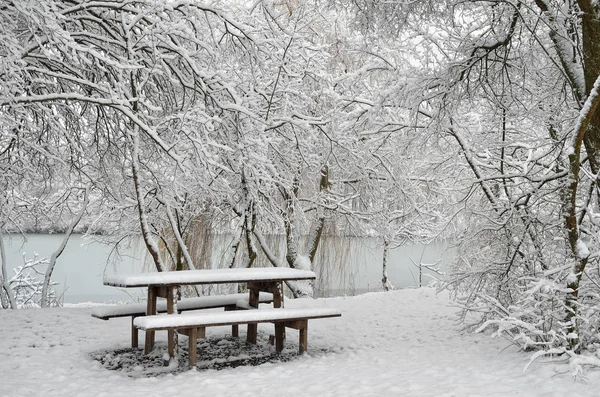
point(45, 301)
point(475, 168)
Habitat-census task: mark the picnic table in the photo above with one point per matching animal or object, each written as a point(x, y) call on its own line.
point(167, 285)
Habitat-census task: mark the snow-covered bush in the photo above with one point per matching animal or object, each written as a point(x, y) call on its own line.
point(27, 284)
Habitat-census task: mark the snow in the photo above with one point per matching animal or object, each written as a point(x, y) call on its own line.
point(237, 275)
point(190, 319)
point(398, 343)
point(303, 262)
point(582, 250)
point(590, 102)
point(569, 150)
point(185, 304)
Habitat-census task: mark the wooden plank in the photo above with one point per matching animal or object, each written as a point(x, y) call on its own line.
point(186, 331)
point(162, 291)
point(150, 311)
point(296, 324)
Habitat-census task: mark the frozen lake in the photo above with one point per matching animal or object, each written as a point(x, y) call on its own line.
point(345, 266)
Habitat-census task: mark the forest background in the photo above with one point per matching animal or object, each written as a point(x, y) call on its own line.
point(280, 122)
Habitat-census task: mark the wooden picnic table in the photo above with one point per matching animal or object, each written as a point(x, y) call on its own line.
point(167, 284)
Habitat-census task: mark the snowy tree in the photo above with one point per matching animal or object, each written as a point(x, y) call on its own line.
point(126, 86)
point(509, 90)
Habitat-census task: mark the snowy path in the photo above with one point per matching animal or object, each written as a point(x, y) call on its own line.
point(402, 343)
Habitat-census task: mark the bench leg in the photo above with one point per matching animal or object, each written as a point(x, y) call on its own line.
point(235, 329)
point(172, 335)
point(149, 342)
point(193, 346)
point(277, 291)
point(134, 334)
point(303, 339)
point(193, 335)
point(252, 328)
point(279, 336)
point(150, 310)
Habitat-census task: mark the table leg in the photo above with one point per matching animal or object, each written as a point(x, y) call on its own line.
point(253, 302)
point(150, 311)
point(235, 330)
point(134, 334)
point(171, 304)
point(277, 292)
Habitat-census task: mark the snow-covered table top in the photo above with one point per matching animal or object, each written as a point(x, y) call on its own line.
point(209, 276)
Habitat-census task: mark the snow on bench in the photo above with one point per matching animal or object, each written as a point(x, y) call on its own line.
point(190, 320)
point(229, 302)
point(195, 323)
point(202, 302)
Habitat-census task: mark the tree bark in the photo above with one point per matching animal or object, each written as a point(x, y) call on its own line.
point(590, 31)
point(384, 280)
point(5, 283)
point(587, 115)
point(586, 135)
point(151, 245)
point(316, 230)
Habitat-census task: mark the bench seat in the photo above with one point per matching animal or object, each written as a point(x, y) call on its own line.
point(197, 303)
point(228, 301)
point(194, 324)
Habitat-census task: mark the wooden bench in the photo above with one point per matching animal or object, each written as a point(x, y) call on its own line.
point(228, 302)
point(194, 324)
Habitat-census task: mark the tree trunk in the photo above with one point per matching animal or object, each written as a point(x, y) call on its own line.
point(578, 248)
point(586, 135)
point(151, 245)
point(384, 279)
point(316, 230)
point(590, 28)
point(12, 301)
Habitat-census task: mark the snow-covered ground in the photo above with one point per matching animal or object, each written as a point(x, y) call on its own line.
point(401, 343)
